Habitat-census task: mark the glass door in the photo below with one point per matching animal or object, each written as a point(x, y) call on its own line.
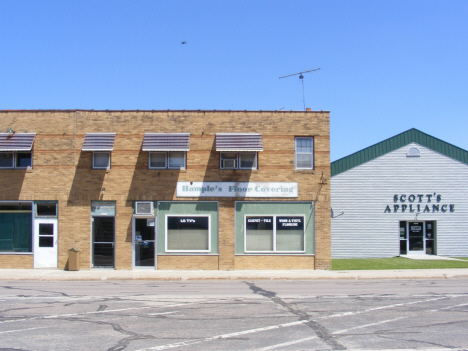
point(103, 242)
point(416, 242)
point(144, 235)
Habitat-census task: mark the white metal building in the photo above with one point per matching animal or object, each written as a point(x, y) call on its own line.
point(405, 195)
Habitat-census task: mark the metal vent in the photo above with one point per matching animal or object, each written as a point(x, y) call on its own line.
point(413, 152)
point(144, 208)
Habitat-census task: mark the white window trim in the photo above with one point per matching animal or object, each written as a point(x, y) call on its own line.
point(238, 160)
point(274, 233)
point(14, 159)
point(108, 163)
point(303, 153)
point(166, 160)
point(188, 215)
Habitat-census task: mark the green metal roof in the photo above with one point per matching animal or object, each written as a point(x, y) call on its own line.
point(410, 136)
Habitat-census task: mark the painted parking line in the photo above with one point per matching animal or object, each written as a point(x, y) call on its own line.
point(345, 314)
point(223, 336)
point(21, 330)
point(257, 330)
point(92, 312)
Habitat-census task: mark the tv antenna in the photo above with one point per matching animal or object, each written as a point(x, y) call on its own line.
point(301, 77)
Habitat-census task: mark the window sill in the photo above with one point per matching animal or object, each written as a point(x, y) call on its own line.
point(304, 170)
point(276, 254)
point(182, 170)
point(188, 254)
point(239, 169)
point(16, 253)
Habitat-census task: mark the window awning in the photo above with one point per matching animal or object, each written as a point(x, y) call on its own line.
point(98, 142)
point(166, 142)
point(239, 142)
point(16, 141)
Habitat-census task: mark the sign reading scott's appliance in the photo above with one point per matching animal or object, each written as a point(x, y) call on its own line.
point(419, 203)
point(239, 189)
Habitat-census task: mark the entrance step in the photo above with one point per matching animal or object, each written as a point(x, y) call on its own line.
point(430, 257)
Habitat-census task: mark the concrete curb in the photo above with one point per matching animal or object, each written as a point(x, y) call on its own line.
point(107, 274)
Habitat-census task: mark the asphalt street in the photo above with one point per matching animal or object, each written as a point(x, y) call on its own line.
point(425, 314)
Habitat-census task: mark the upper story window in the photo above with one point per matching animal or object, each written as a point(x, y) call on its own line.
point(101, 160)
point(15, 159)
point(238, 160)
point(304, 153)
point(167, 160)
point(167, 150)
point(15, 150)
point(238, 150)
point(101, 144)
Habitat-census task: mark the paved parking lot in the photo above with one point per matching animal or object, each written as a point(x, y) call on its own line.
point(234, 315)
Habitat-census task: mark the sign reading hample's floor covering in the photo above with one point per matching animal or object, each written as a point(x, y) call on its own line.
point(239, 189)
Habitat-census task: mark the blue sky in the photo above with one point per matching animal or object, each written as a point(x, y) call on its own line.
point(386, 66)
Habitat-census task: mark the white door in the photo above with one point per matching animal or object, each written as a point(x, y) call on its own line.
point(45, 243)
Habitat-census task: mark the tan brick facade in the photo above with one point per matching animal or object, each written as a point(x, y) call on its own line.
point(62, 172)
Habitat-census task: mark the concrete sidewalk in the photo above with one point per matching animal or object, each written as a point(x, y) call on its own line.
point(150, 274)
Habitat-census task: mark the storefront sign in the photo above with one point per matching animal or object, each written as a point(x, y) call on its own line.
point(233, 189)
point(419, 203)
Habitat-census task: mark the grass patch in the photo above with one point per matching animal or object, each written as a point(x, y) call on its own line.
point(462, 258)
point(393, 263)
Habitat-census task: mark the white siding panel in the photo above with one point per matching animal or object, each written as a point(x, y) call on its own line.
point(363, 193)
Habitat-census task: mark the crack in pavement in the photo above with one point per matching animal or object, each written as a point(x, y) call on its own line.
point(321, 332)
point(122, 344)
point(28, 289)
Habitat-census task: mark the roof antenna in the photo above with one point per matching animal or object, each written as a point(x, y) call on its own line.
point(301, 77)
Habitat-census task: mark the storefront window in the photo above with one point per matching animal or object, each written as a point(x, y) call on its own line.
point(274, 234)
point(290, 233)
point(187, 233)
point(259, 233)
point(16, 227)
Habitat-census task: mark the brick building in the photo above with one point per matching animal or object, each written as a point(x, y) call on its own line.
point(165, 189)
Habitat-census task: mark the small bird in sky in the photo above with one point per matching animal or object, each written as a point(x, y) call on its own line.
point(184, 42)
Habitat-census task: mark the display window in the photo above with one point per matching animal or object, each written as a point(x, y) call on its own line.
point(16, 227)
point(187, 233)
point(276, 234)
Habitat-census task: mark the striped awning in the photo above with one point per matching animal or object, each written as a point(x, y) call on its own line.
point(16, 141)
point(166, 142)
point(239, 142)
point(98, 142)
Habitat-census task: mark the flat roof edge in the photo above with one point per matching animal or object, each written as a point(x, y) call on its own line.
point(167, 110)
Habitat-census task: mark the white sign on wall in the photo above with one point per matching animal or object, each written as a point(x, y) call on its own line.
point(236, 189)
